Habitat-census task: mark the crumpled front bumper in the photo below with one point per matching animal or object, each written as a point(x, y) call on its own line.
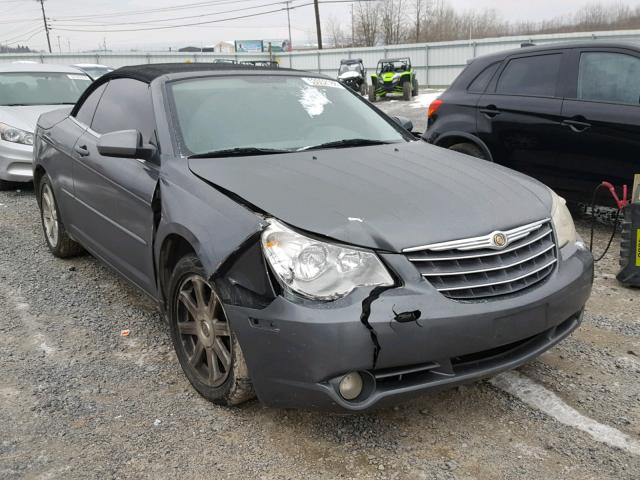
point(298, 351)
point(16, 162)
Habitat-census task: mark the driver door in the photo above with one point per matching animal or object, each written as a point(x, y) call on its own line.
point(114, 195)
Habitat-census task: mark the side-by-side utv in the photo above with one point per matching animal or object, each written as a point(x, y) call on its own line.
point(393, 76)
point(353, 75)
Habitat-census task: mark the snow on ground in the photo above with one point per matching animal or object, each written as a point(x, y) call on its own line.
point(424, 99)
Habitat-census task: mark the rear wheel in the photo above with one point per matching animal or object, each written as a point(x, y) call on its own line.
point(406, 91)
point(372, 93)
point(58, 240)
point(207, 348)
point(469, 149)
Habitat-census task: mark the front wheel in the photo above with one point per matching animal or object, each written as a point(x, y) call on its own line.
point(416, 89)
point(372, 93)
point(363, 89)
point(55, 233)
point(469, 149)
point(207, 348)
point(406, 91)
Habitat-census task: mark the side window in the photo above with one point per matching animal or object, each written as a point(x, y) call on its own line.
point(479, 84)
point(609, 77)
point(125, 105)
point(88, 108)
point(533, 76)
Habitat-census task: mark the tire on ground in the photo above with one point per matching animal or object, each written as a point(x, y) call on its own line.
point(372, 93)
point(469, 149)
point(406, 91)
point(416, 88)
point(64, 246)
point(237, 387)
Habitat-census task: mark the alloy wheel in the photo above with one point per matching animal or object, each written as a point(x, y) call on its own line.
point(50, 216)
point(204, 331)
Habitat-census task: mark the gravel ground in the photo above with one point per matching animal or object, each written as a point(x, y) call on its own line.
point(78, 400)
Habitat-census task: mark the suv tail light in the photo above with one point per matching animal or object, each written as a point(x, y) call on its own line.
point(434, 107)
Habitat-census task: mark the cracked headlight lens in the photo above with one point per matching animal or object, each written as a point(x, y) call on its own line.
point(15, 135)
point(319, 270)
point(562, 221)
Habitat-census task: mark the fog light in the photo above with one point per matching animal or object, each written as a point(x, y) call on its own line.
point(351, 386)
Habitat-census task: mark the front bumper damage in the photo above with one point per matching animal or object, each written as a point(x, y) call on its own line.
point(297, 351)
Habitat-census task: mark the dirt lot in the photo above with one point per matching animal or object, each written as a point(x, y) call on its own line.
point(78, 400)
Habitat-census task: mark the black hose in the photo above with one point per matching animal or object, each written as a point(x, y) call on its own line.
point(593, 224)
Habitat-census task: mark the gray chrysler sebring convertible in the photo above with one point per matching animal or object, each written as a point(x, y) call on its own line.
point(302, 245)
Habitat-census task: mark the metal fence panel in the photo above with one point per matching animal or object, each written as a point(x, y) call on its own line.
point(436, 64)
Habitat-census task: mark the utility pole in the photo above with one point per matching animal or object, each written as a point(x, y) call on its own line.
point(46, 25)
point(317, 8)
point(289, 23)
point(59, 47)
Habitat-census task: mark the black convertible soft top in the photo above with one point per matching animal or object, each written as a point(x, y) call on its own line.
point(149, 72)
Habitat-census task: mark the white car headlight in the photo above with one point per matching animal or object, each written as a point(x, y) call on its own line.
point(319, 270)
point(15, 135)
point(562, 221)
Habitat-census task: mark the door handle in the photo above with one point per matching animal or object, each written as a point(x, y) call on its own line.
point(81, 150)
point(490, 111)
point(576, 125)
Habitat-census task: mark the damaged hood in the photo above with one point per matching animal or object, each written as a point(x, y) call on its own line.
point(387, 197)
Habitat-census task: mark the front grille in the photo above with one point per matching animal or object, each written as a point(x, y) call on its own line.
point(477, 269)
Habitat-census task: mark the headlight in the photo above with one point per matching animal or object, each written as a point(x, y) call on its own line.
point(562, 221)
point(396, 76)
point(317, 269)
point(15, 135)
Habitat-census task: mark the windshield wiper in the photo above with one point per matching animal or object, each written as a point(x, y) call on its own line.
point(239, 152)
point(347, 142)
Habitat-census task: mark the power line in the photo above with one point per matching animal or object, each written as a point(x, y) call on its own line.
point(174, 18)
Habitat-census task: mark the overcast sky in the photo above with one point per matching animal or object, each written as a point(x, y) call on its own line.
point(19, 19)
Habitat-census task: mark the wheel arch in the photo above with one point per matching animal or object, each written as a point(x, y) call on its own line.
point(451, 138)
point(175, 245)
point(38, 173)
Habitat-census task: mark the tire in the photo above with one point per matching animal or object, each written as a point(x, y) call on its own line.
point(372, 94)
point(416, 89)
point(55, 233)
point(469, 149)
point(202, 337)
point(406, 91)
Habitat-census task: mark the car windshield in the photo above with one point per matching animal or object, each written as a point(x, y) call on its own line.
point(41, 88)
point(349, 67)
point(397, 66)
point(272, 112)
point(96, 72)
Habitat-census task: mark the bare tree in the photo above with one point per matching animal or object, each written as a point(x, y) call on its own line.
point(366, 22)
point(392, 21)
point(334, 30)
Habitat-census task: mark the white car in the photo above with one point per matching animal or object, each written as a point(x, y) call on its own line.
point(27, 91)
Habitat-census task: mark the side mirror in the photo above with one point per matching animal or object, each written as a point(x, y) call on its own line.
point(124, 144)
point(404, 122)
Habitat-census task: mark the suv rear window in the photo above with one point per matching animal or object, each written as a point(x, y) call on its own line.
point(534, 76)
point(479, 84)
point(609, 77)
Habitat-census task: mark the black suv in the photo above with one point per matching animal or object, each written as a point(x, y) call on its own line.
point(567, 114)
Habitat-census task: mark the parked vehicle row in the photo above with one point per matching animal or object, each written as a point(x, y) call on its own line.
point(302, 245)
point(566, 114)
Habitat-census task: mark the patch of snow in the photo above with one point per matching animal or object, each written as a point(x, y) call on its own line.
point(424, 99)
point(313, 101)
